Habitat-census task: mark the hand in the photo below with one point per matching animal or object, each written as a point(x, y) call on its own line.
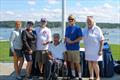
point(100, 52)
point(14, 53)
point(69, 41)
point(45, 43)
point(30, 52)
point(65, 64)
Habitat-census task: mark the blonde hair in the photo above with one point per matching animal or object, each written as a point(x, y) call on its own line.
point(71, 17)
point(92, 19)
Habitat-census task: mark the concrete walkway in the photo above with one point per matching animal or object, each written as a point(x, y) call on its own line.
point(7, 72)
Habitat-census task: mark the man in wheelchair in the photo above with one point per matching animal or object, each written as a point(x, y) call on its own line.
point(55, 65)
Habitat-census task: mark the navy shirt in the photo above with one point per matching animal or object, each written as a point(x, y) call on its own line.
point(73, 32)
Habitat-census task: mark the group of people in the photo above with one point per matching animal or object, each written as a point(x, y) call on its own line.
point(39, 49)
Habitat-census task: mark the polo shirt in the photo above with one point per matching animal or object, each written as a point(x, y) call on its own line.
point(57, 51)
point(72, 33)
point(92, 38)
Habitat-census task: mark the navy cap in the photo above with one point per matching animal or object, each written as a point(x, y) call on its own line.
point(29, 23)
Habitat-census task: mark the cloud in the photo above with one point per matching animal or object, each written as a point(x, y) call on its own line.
point(46, 9)
point(77, 4)
point(50, 10)
point(108, 6)
point(53, 1)
point(32, 9)
point(9, 12)
point(102, 13)
point(31, 2)
point(57, 10)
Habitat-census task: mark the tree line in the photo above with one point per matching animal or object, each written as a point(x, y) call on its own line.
point(11, 24)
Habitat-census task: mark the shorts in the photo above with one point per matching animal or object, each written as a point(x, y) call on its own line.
point(19, 53)
point(73, 56)
point(41, 56)
point(28, 57)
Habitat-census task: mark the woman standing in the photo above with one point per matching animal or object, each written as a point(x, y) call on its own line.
point(93, 40)
point(16, 48)
point(29, 46)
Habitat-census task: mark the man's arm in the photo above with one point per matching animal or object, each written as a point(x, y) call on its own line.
point(75, 41)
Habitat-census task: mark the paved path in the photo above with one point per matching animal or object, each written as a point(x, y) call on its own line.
point(7, 72)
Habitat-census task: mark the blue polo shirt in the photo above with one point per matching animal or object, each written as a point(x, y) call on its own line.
point(73, 32)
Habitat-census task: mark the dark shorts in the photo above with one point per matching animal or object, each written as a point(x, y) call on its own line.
point(28, 57)
point(19, 53)
point(41, 56)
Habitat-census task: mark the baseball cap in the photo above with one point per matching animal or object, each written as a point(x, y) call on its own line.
point(43, 20)
point(29, 23)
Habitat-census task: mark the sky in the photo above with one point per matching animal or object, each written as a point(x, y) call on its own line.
point(107, 11)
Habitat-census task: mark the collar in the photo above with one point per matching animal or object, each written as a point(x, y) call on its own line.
point(92, 28)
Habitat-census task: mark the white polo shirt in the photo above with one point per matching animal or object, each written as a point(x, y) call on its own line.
point(57, 51)
point(92, 40)
point(43, 35)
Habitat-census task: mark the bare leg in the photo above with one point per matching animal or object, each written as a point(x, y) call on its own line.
point(78, 69)
point(21, 59)
point(16, 65)
point(91, 71)
point(72, 68)
point(29, 68)
point(96, 68)
point(40, 67)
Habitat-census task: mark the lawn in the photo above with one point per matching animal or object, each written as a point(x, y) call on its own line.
point(4, 51)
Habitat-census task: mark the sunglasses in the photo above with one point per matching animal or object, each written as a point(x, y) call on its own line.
point(70, 19)
point(43, 21)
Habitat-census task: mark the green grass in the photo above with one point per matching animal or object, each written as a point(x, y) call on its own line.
point(4, 51)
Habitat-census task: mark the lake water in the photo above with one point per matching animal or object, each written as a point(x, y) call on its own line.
point(112, 35)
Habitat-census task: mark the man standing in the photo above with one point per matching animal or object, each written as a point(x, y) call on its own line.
point(43, 40)
point(73, 35)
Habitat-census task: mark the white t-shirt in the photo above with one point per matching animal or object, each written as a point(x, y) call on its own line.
point(92, 40)
point(43, 35)
point(57, 51)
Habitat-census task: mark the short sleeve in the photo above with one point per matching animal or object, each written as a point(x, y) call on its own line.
point(66, 32)
point(49, 36)
point(101, 37)
point(80, 34)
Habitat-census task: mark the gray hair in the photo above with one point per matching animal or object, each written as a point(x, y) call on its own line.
point(56, 34)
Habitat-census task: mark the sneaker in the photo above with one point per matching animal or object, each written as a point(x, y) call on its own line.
point(72, 77)
point(77, 78)
point(29, 78)
point(18, 77)
point(80, 78)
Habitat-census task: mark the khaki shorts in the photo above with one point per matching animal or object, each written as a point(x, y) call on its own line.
point(41, 56)
point(73, 56)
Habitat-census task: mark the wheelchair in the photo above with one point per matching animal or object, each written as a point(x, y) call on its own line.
point(56, 70)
